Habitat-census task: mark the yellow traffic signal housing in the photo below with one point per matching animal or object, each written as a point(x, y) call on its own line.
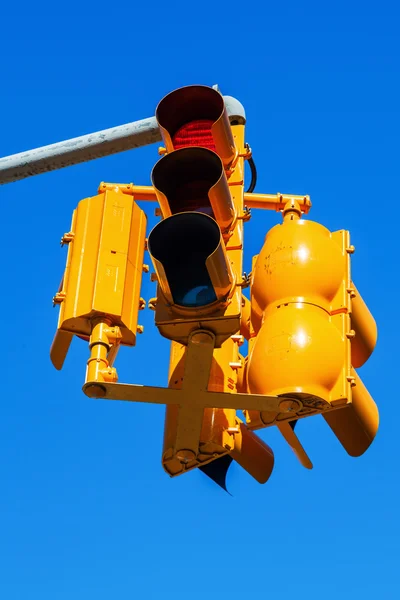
point(104, 267)
point(197, 252)
point(310, 328)
point(199, 278)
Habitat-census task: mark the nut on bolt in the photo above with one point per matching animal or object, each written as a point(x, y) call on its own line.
point(185, 456)
point(152, 303)
point(287, 406)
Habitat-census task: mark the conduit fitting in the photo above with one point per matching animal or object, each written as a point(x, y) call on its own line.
point(291, 210)
point(102, 338)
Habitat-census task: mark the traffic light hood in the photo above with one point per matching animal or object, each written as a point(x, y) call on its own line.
point(196, 116)
point(193, 179)
point(190, 260)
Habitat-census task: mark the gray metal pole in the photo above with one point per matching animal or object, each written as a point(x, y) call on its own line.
point(78, 150)
point(94, 145)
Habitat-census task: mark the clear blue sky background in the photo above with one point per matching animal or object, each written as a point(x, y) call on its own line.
point(86, 510)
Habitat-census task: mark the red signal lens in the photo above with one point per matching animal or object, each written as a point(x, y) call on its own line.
point(195, 133)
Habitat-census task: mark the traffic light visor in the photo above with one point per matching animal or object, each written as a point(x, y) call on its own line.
point(190, 261)
point(196, 116)
point(193, 179)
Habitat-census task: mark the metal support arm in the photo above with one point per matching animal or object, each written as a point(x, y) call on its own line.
point(93, 145)
point(158, 395)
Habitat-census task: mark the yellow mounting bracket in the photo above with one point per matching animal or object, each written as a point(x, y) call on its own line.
point(192, 398)
point(251, 200)
point(104, 344)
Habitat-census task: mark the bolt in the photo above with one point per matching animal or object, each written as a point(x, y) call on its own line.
point(95, 390)
point(185, 456)
point(289, 406)
point(201, 337)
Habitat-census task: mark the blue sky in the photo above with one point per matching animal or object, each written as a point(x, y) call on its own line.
point(86, 510)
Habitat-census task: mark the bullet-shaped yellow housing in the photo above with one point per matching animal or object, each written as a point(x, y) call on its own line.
point(311, 327)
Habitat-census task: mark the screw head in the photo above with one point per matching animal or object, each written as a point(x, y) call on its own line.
point(185, 456)
point(287, 406)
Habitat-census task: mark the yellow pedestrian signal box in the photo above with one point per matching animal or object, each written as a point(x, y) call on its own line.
point(310, 328)
point(104, 267)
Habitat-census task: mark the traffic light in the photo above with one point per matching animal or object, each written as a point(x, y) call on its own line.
point(197, 253)
point(101, 284)
point(197, 274)
point(310, 329)
point(196, 116)
point(198, 277)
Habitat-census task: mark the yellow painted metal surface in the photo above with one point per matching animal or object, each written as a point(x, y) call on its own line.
point(301, 349)
point(252, 453)
point(306, 316)
point(102, 339)
point(274, 202)
point(206, 399)
point(223, 322)
point(300, 262)
point(221, 431)
point(216, 421)
point(356, 425)
point(190, 247)
point(299, 301)
point(224, 266)
point(277, 201)
point(104, 268)
point(288, 433)
point(364, 327)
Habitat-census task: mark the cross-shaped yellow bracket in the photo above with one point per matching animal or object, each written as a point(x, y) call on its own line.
point(192, 398)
